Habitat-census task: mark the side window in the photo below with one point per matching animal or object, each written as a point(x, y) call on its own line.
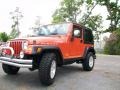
point(77, 33)
point(88, 36)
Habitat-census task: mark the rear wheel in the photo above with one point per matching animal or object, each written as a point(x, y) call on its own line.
point(10, 69)
point(88, 62)
point(47, 68)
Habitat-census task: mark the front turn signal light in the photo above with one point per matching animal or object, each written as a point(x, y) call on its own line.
point(38, 50)
point(28, 50)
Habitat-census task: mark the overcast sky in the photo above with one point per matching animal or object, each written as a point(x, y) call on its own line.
point(31, 9)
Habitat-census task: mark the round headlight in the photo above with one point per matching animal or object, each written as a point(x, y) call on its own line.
point(25, 45)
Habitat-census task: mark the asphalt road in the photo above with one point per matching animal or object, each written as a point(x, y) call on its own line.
point(105, 76)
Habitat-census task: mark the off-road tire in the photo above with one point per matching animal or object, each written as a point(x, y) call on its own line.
point(45, 68)
point(11, 70)
point(86, 61)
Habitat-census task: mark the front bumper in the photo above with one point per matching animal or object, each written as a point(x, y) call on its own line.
point(24, 63)
point(16, 62)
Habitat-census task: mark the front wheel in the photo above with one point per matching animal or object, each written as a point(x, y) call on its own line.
point(12, 70)
point(88, 62)
point(47, 68)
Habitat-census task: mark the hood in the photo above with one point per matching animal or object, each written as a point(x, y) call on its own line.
point(44, 40)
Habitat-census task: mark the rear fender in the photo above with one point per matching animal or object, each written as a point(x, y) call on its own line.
point(87, 50)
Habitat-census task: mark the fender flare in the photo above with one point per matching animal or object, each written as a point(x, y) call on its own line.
point(87, 50)
point(45, 49)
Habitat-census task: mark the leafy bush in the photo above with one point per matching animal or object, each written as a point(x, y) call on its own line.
point(4, 37)
point(112, 45)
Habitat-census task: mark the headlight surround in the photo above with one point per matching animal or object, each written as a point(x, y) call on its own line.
point(25, 45)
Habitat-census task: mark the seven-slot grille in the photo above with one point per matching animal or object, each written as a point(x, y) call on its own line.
point(17, 47)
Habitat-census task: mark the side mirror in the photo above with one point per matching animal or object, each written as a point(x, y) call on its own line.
point(76, 33)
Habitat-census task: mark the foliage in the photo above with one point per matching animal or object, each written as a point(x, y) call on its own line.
point(112, 45)
point(14, 33)
point(94, 22)
point(90, 5)
point(4, 37)
point(113, 8)
point(68, 11)
point(71, 10)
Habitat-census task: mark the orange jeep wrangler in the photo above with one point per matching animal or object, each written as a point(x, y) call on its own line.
point(49, 47)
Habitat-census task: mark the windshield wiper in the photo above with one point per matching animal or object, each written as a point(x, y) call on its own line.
point(41, 34)
point(37, 35)
point(53, 33)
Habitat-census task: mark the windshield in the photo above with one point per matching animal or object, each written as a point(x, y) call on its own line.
point(57, 29)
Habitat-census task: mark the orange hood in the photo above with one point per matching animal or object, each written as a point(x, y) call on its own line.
point(45, 40)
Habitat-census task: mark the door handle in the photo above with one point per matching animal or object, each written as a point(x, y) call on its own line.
point(81, 41)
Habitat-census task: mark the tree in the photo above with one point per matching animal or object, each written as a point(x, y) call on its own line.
point(68, 11)
point(90, 5)
point(58, 16)
point(113, 8)
point(71, 10)
point(94, 22)
point(16, 16)
point(4, 37)
point(112, 45)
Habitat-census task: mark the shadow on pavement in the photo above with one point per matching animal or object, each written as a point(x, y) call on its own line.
point(31, 79)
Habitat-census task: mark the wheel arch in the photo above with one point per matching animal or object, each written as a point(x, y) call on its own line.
point(89, 49)
point(53, 49)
